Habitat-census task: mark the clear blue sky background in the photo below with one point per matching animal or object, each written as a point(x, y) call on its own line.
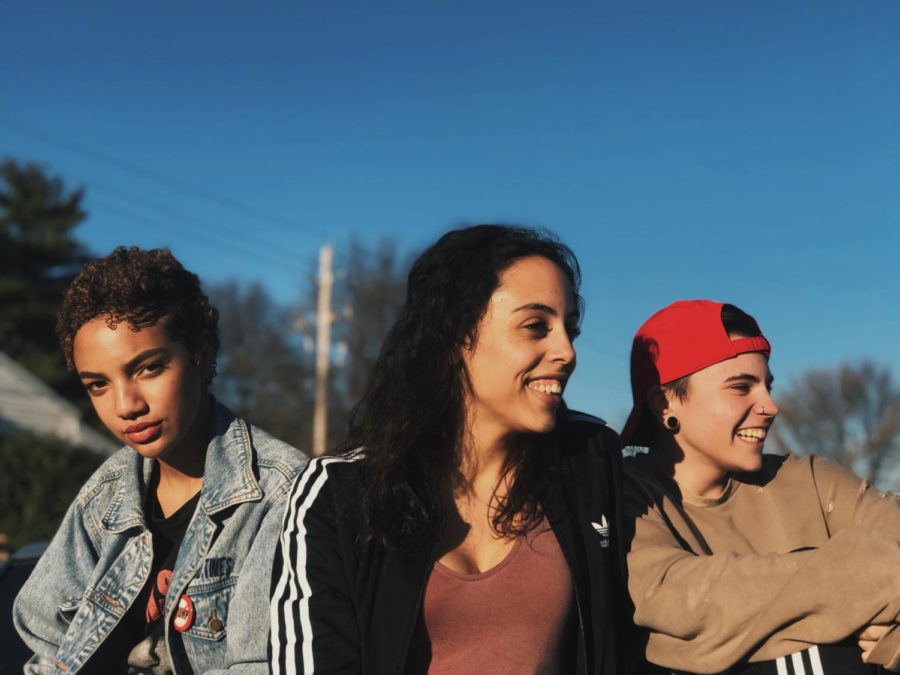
point(742, 151)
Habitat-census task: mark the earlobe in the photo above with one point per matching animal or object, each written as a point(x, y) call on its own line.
point(660, 406)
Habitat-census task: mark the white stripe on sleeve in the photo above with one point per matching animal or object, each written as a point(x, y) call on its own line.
point(781, 664)
point(816, 660)
point(293, 573)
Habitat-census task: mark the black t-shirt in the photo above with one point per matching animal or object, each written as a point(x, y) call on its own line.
point(137, 644)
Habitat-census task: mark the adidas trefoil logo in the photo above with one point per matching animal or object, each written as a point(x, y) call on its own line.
point(602, 529)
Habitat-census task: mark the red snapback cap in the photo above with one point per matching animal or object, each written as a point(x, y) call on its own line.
point(678, 340)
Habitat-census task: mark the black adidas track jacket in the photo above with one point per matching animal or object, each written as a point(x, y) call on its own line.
point(342, 604)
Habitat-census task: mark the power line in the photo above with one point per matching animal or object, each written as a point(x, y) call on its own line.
point(200, 235)
point(185, 187)
point(202, 226)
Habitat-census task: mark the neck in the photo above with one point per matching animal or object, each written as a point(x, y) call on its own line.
point(693, 473)
point(484, 458)
point(184, 468)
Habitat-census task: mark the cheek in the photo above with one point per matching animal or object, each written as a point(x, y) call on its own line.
point(183, 395)
point(105, 408)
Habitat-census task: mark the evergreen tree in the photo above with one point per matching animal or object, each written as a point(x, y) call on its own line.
point(39, 257)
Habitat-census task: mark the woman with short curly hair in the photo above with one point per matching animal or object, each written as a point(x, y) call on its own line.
point(162, 562)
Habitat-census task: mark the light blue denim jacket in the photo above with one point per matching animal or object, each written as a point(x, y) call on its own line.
point(100, 558)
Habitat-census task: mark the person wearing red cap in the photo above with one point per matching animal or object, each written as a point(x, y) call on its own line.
point(742, 561)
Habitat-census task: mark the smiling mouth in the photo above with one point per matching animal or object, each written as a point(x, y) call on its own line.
point(548, 390)
point(754, 434)
point(546, 386)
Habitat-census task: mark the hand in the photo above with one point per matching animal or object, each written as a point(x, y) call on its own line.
point(869, 636)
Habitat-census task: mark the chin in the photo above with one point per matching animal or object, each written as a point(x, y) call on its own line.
point(546, 427)
point(752, 466)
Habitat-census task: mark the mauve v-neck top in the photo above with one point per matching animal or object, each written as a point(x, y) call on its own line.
point(508, 619)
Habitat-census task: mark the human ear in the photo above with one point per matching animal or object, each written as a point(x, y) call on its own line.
point(662, 404)
point(658, 401)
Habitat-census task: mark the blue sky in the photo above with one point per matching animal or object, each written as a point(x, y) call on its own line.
point(746, 152)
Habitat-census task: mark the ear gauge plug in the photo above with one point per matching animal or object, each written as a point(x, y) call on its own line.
point(672, 423)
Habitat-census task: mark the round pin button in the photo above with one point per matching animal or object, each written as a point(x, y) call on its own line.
point(184, 616)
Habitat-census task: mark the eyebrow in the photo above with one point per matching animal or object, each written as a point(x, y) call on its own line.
point(747, 377)
point(541, 307)
point(129, 367)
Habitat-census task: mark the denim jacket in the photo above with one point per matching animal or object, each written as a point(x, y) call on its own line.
point(100, 558)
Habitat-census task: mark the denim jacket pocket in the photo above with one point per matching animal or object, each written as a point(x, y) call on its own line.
point(210, 599)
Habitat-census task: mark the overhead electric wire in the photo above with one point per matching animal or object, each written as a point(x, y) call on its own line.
point(203, 236)
point(218, 229)
point(183, 186)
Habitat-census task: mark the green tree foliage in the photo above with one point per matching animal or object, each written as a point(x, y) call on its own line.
point(39, 478)
point(39, 256)
point(850, 413)
point(263, 373)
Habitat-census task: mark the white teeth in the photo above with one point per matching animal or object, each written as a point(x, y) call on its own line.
point(752, 434)
point(546, 387)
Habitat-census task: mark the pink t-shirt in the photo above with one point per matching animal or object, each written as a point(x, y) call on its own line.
point(509, 619)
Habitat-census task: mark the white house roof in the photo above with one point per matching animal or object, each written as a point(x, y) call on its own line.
point(28, 403)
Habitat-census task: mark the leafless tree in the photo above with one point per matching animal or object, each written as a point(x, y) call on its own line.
point(263, 373)
point(850, 414)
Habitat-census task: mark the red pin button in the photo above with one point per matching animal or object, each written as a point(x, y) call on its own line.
point(184, 617)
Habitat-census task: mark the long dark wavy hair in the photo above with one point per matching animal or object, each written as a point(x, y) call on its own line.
point(411, 418)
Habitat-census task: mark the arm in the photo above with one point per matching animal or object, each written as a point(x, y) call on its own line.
point(313, 618)
point(849, 501)
point(706, 612)
point(47, 602)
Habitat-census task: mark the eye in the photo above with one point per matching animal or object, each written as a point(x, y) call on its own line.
point(153, 369)
point(538, 327)
point(741, 387)
point(574, 330)
point(96, 387)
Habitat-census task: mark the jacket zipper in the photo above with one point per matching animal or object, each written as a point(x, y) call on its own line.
point(578, 608)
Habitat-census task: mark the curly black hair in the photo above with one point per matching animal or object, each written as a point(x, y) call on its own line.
point(411, 418)
point(142, 287)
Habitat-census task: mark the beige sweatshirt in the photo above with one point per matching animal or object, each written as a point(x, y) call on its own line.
point(803, 552)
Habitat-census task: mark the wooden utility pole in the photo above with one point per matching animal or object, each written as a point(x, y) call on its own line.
point(323, 350)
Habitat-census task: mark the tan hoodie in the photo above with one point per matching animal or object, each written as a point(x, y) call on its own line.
point(803, 552)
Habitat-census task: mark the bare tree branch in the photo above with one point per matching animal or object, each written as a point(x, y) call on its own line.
point(850, 414)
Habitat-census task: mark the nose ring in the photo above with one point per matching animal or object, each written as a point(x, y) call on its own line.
point(762, 410)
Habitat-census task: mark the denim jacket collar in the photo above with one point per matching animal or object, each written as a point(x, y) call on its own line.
point(228, 475)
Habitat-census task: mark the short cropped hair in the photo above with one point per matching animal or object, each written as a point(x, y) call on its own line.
point(142, 287)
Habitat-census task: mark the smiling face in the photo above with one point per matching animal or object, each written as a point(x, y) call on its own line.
point(523, 353)
point(144, 387)
point(724, 419)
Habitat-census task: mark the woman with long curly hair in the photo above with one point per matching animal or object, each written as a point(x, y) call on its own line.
point(468, 524)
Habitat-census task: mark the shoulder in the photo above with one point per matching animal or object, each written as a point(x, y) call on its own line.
point(645, 488)
point(271, 452)
point(108, 475)
point(791, 470)
point(331, 478)
point(583, 434)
